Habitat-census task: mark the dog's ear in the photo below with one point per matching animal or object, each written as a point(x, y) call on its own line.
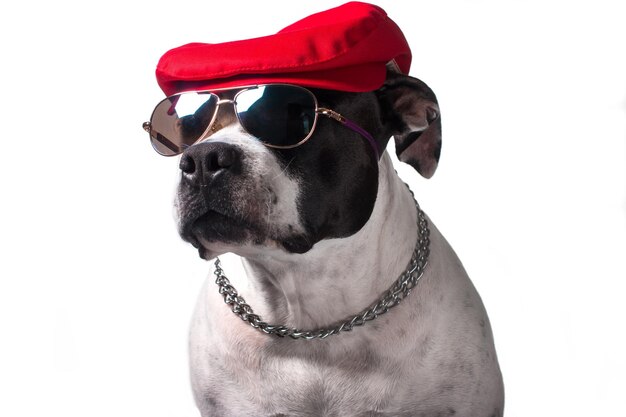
point(411, 113)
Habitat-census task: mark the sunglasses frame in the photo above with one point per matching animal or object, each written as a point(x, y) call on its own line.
point(147, 126)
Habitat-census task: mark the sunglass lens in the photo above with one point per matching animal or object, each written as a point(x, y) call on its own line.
point(181, 120)
point(278, 115)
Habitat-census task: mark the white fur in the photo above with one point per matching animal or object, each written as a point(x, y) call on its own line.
point(432, 355)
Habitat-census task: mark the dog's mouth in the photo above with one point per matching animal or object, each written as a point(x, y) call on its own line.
point(213, 225)
point(215, 228)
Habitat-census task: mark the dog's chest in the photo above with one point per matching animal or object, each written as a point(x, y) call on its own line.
point(238, 371)
point(290, 383)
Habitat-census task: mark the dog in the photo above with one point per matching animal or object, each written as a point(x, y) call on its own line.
point(323, 230)
point(352, 302)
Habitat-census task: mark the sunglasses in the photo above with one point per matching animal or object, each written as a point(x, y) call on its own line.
point(281, 116)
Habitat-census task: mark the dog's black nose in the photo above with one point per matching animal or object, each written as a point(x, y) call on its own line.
point(204, 161)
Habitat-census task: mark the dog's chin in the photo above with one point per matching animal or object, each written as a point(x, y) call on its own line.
point(214, 234)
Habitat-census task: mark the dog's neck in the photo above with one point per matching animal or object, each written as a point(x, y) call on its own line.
point(339, 278)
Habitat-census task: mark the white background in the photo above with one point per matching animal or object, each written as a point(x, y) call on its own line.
point(96, 288)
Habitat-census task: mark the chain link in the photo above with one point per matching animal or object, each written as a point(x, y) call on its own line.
point(398, 291)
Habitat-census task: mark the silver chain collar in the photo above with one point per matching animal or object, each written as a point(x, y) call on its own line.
point(400, 289)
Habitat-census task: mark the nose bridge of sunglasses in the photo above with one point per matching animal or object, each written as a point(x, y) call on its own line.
point(225, 115)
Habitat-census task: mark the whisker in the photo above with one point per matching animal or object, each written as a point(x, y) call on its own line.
point(282, 171)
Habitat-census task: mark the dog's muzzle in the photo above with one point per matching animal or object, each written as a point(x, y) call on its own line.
point(234, 192)
point(208, 196)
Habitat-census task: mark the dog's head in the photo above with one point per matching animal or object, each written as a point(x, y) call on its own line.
point(236, 194)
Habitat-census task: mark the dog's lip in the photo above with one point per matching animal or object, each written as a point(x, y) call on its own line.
point(193, 229)
point(194, 232)
point(212, 215)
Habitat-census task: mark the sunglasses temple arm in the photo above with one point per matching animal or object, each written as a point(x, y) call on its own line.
point(353, 126)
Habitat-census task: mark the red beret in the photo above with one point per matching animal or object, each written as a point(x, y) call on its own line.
point(346, 48)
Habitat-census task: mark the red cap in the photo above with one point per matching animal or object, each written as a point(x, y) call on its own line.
point(346, 48)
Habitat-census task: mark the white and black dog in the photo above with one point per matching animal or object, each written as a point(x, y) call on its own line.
point(324, 231)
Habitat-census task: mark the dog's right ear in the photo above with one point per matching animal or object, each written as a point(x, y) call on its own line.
point(411, 113)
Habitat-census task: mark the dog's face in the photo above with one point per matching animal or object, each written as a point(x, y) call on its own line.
point(237, 195)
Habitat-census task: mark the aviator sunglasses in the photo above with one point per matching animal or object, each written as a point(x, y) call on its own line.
point(281, 116)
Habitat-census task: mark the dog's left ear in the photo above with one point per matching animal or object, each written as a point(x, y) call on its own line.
point(411, 113)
